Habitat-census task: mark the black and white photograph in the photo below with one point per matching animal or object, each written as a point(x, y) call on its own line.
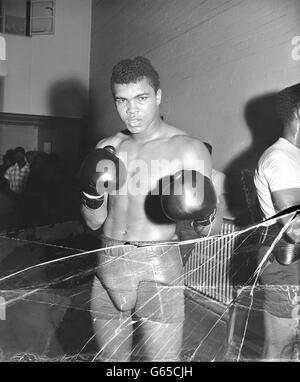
point(150, 183)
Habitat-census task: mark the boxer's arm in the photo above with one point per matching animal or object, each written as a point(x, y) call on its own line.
point(198, 158)
point(283, 199)
point(94, 218)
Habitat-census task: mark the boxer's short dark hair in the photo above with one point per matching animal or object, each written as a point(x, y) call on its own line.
point(288, 101)
point(133, 70)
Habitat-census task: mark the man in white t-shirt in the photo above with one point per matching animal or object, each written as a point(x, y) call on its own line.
point(277, 181)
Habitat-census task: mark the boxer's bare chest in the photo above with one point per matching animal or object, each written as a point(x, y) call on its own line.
point(147, 163)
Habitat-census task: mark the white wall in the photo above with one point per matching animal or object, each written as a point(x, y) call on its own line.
point(49, 74)
point(213, 57)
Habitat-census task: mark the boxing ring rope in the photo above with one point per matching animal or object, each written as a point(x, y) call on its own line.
point(207, 270)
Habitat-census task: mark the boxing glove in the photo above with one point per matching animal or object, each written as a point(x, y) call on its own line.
point(101, 172)
point(286, 252)
point(189, 196)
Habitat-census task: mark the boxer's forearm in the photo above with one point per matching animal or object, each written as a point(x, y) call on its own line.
point(94, 218)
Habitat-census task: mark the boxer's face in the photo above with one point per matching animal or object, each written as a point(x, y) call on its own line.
point(137, 105)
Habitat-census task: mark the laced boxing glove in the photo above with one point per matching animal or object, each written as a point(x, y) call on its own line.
point(101, 172)
point(189, 196)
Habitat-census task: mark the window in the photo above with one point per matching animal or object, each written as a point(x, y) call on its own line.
point(42, 17)
point(27, 17)
point(13, 16)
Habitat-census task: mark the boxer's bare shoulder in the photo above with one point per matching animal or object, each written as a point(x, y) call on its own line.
point(193, 153)
point(187, 143)
point(169, 131)
point(183, 139)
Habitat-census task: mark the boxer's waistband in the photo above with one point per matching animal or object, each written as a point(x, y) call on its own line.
point(137, 243)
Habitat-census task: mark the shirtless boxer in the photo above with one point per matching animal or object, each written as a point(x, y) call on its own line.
point(143, 276)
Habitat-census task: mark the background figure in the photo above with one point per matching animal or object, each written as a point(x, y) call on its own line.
point(277, 181)
point(31, 157)
point(9, 214)
point(18, 173)
point(7, 161)
point(17, 176)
